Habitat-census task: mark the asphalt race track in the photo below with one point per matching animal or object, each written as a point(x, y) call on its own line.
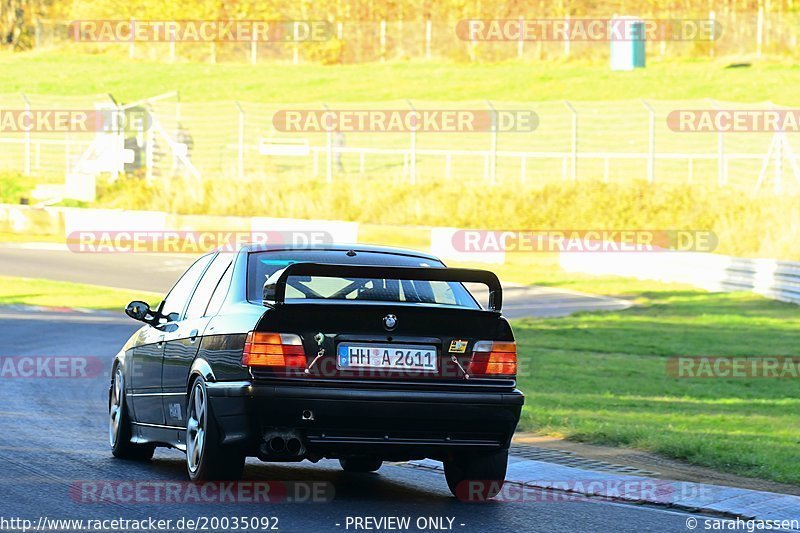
point(53, 436)
point(54, 444)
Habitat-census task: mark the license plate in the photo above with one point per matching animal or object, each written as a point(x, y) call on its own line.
point(386, 356)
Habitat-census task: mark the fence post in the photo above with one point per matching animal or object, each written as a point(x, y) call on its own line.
point(329, 141)
point(760, 31)
point(240, 158)
point(521, 41)
point(566, 38)
point(722, 177)
point(493, 147)
point(574, 142)
point(428, 36)
point(253, 52)
point(213, 53)
point(27, 139)
point(132, 45)
point(383, 41)
point(295, 46)
point(148, 153)
point(779, 162)
point(651, 148)
point(712, 16)
point(412, 169)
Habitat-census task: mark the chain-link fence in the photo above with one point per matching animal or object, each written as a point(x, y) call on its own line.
point(610, 141)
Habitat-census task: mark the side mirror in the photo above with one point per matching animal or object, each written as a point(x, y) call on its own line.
point(138, 310)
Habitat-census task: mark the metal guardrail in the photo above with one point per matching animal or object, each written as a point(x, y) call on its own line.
point(778, 280)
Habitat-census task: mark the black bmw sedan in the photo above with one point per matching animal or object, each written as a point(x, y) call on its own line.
point(362, 354)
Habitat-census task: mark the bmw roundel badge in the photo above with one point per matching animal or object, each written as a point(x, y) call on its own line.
point(390, 322)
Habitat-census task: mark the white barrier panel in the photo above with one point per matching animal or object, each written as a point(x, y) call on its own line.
point(443, 246)
point(779, 280)
point(340, 232)
point(112, 220)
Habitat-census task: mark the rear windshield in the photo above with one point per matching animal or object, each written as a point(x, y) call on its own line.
point(261, 265)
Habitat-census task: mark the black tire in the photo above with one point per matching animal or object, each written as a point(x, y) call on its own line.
point(360, 465)
point(476, 477)
point(214, 462)
point(119, 422)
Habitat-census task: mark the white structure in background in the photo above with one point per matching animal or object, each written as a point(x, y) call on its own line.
point(779, 280)
point(106, 153)
point(779, 149)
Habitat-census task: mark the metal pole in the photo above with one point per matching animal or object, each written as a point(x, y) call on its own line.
point(329, 162)
point(760, 31)
point(253, 52)
point(413, 149)
point(521, 41)
point(721, 170)
point(27, 139)
point(566, 38)
point(574, 140)
point(295, 48)
point(493, 148)
point(651, 152)
point(132, 45)
point(240, 159)
point(383, 41)
point(428, 36)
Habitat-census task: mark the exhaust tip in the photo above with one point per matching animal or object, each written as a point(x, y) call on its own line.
point(294, 446)
point(277, 444)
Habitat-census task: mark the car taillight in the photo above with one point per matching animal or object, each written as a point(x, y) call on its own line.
point(279, 350)
point(493, 358)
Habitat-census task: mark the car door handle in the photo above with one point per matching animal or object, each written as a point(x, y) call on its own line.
point(161, 341)
point(193, 335)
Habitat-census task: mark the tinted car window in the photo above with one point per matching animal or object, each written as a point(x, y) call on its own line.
point(261, 265)
point(209, 281)
point(176, 299)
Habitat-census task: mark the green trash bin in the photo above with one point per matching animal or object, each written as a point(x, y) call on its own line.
point(627, 53)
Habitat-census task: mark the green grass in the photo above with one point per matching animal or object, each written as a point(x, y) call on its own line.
point(54, 73)
point(31, 291)
point(602, 378)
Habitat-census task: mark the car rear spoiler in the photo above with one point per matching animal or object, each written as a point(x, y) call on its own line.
point(277, 287)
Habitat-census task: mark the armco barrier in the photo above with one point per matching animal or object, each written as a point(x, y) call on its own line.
point(779, 280)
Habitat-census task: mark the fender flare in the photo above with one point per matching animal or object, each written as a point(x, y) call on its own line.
point(201, 368)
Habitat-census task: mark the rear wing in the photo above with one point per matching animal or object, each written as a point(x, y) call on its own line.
point(276, 287)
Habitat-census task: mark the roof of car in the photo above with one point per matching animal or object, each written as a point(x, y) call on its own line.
point(338, 248)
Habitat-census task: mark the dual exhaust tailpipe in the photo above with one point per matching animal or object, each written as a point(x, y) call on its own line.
point(283, 445)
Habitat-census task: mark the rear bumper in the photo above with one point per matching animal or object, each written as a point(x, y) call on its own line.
point(394, 424)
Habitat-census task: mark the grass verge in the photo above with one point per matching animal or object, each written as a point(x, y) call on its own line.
point(53, 72)
point(602, 378)
point(33, 291)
